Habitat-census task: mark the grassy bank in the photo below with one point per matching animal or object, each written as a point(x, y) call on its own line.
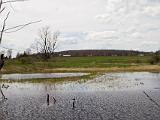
point(80, 64)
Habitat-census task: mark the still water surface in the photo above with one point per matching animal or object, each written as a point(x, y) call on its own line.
point(39, 75)
point(105, 82)
point(107, 96)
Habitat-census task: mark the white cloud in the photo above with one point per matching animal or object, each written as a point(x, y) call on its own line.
point(99, 36)
point(89, 24)
point(152, 10)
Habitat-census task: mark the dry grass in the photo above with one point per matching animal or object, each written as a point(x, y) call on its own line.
point(151, 68)
point(112, 69)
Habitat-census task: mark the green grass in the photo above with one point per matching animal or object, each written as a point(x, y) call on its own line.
point(90, 64)
point(30, 64)
point(102, 61)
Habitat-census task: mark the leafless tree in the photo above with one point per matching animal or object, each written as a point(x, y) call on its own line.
point(3, 26)
point(47, 41)
point(4, 15)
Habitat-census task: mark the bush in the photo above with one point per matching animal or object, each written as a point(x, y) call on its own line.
point(26, 60)
point(138, 61)
point(154, 59)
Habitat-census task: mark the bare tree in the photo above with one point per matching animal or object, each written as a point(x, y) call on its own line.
point(4, 15)
point(3, 27)
point(47, 41)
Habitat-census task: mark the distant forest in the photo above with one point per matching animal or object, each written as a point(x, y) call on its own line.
point(102, 53)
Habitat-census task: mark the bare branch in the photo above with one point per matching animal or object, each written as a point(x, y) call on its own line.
point(2, 10)
point(0, 4)
point(47, 41)
point(11, 1)
point(3, 96)
point(19, 27)
point(3, 27)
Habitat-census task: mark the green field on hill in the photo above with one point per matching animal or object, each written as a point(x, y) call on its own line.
point(33, 64)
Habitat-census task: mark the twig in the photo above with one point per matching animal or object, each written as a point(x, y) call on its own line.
point(19, 27)
point(9, 1)
point(151, 99)
point(3, 96)
point(2, 10)
point(3, 26)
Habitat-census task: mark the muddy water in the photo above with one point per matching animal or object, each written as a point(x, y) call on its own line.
point(109, 96)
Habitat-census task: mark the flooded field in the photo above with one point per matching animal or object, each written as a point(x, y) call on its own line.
point(123, 96)
point(39, 75)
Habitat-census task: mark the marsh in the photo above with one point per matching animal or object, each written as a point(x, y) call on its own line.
point(107, 96)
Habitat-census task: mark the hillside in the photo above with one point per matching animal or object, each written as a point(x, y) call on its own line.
point(102, 53)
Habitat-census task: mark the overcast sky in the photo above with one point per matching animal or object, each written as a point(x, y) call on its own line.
point(89, 24)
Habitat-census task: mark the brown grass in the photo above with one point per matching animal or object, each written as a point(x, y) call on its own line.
point(112, 69)
point(151, 68)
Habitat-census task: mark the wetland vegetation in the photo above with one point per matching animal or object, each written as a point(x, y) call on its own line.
point(31, 64)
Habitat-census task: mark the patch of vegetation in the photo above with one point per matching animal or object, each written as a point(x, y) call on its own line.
point(154, 59)
point(26, 60)
point(39, 80)
point(32, 64)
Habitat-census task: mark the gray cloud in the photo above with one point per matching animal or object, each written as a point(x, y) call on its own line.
point(90, 24)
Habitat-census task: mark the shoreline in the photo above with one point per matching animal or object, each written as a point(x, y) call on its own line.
point(93, 72)
point(140, 68)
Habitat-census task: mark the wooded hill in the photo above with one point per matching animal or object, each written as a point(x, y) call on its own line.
point(102, 53)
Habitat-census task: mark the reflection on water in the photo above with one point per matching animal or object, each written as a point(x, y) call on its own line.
point(39, 75)
point(124, 93)
point(108, 81)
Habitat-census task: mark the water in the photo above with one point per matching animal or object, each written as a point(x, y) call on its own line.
point(39, 75)
point(106, 82)
point(108, 96)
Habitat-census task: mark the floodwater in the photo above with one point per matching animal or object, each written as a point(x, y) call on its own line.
point(39, 75)
point(111, 96)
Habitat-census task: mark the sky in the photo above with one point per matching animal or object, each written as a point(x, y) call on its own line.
point(88, 24)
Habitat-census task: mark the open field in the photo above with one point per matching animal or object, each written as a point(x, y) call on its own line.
point(80, 64)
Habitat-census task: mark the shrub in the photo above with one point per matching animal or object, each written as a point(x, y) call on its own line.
point(154, 59)
point(26, 60)
point(138, 61)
